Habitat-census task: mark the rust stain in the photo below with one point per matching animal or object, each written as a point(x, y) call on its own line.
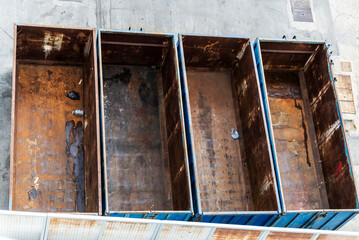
point(210, 46)
point(305, 133)
point(294, 153)
point(44, 180)
point(52, 42)
point(221, 172)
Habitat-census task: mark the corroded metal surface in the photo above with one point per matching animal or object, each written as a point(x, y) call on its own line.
point(222, 185)
point(294, 151)
point(138, 170)
point(203, 51)
point(120, 230)
point(229, 234)
point(224, 95)
point(279, 235)
point(48, 153)
point(52, 43)
point(144, 135)
point(55, 155)
point(184, 232)
point(286, 56)
point(92, 158)
point(331, 142)
point(60, 228)
point(255, 142)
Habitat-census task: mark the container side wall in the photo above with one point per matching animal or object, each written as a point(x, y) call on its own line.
point(174, 130)
point(92, 160)
point(182, 69)
point(329, 131)
point(254, 135)
point(259, 65)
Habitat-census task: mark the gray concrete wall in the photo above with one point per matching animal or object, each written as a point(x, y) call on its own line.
point(335, 21)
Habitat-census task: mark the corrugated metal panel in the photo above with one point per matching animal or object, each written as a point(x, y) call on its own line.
point(289, 236)
point(184, 232)
point(123, 231)
point(332, 237)
point(230, 234)
point(21, 227)
point(61, 228)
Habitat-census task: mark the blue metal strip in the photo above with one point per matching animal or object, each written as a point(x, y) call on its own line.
point(222, 219)
point(206, 218)
point(258, 57)
point(241, 219)
point(285, 220)
point(338, 220)
point(179, 216)
point(272, 220)
point(320, 220)
point(302, 219)
point(259, 220)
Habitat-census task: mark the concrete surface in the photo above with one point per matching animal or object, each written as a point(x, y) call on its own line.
point(336, 21)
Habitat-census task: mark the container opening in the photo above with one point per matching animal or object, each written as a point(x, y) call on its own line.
point(55, 156)
point(145, 154)
point(309, 142)
point(232, 167)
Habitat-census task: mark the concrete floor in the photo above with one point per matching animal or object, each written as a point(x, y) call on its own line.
point(336, 21)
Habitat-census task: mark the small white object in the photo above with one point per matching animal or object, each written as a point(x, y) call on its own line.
point(234, 134)
point(78, 112)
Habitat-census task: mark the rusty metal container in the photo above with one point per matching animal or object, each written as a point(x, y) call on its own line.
point(55, 163)
point(233, 178)
point(308, 142)
point(145, 155)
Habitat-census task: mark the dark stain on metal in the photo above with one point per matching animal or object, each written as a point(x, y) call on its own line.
point(147, 89)
point(32, 194)
point(125, 76)
point(73, 95)
point(205, 113)
point(49, 74)
point(75, 150)
point(305, 131)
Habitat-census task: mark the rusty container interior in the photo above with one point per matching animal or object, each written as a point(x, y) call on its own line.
point(307, 134)
point(146, 166)
point(55, 155)
point(232, 173)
